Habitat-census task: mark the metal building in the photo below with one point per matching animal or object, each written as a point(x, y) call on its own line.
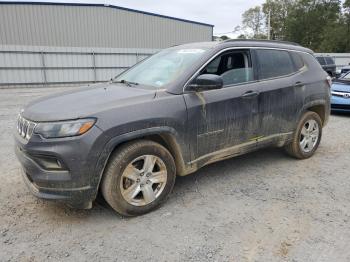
point(56, 43)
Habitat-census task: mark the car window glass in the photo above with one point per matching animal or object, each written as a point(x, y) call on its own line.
point(329, 60)
point(234, 67)
point(321, 60)
point(213, 66)
point(162, 68)
point(298, 60)
point(274, 63)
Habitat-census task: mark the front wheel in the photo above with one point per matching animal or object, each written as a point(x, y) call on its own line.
point(307, 136)
point(138, 178)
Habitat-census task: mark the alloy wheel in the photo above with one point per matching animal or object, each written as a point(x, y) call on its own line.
point(143, 180)
point(309, 136)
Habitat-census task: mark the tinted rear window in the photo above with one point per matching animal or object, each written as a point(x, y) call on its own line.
point(298, 60)
point(329, 60)
point(321, 60)
point(274, 63)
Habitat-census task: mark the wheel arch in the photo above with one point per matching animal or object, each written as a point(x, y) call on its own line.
point(320, 107)
point(166, 136)
point(320, 110)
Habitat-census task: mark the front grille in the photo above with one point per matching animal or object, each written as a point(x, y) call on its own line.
point(25, 127)
point(341, 94)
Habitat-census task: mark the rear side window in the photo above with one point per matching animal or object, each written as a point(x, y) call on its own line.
point(274, 63)
point(329, 60)
point(298, 60)
point(321, 60)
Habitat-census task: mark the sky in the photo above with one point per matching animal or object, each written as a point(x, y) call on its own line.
point(225, 15)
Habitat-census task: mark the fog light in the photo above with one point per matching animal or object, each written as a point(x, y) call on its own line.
point(49, 163)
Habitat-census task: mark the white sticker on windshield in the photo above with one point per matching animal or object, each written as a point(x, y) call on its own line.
point(190, 51)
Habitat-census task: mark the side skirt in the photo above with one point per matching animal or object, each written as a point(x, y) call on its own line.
point(278, 140)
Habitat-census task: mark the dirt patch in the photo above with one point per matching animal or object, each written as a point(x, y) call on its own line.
point(264, 206)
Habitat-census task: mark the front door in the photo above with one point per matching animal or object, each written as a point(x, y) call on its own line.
point(228, 117)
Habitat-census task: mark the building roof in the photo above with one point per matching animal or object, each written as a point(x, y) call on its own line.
point(107, 6)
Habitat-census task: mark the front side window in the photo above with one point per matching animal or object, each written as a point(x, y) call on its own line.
point(274, 63)
point(162, 68)
point(235, 67)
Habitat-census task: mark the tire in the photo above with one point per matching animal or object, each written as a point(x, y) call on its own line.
point(129, 177)
point(296, 148)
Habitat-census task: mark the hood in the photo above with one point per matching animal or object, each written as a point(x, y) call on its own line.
point(85, 102)
point(339, 86)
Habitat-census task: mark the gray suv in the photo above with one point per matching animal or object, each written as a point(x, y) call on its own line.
point(169, 115)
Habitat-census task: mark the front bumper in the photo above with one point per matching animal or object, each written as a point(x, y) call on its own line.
point(74, 183)
point(340, 104)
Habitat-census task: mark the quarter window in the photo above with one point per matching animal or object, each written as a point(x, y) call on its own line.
point(298, 60)
point(274, 63)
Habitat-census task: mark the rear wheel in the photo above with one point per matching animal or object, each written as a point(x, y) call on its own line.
point(307, 136)
point(138, 178)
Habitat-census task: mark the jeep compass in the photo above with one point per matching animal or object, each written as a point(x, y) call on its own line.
point(182, 108)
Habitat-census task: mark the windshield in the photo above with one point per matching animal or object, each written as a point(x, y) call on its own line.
point(161, 68)
point(347, 76)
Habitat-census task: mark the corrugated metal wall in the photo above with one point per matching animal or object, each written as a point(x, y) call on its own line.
point(43, 44)
point(93, 26)
point(27, 66)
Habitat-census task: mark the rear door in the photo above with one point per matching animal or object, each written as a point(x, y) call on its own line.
point(280, 92)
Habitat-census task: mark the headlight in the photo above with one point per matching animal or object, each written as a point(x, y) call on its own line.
point(64, 128)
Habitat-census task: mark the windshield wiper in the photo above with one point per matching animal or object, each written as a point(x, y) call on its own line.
point(128, 83)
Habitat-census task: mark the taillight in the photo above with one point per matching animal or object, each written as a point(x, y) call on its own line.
point(329, 81)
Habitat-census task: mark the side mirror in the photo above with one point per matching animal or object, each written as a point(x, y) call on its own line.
point(207, 82)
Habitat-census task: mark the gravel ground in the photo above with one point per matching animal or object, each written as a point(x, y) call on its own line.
point(263, 206)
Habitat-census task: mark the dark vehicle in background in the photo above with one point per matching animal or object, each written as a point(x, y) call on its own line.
point(173, 113)
point(327, 64)
point(340, 101)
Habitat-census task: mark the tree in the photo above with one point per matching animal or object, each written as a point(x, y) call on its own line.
point(307, 21)
point(346, 7)
point(224, 37)
point(241, 36)
point(322, 25)
point(253, 19)
point(278, 10)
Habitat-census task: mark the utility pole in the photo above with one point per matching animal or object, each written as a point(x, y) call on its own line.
point(269, 25)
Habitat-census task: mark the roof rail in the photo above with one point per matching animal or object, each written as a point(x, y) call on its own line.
point(262, 40)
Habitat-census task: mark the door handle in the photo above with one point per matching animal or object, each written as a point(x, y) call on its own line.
point(250, 94)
